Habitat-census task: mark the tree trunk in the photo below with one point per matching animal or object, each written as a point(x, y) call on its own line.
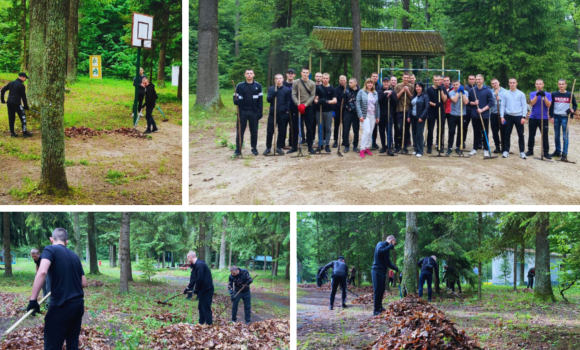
point(230, 262)
point(24, 54)
point(522, 262)
point(179, 88)
point(207, 63)
point(163, 49)
point(77, 230)
point(279, 55)
point(287, 274)
point(72, 35)
point(479, 282)
point(163, 257)
point(201, 242)
point(543, 285)
point(87, 251)
point(411, 253)
point(406, 25)
point(223, 245)
point(265, 256)
point(38, 15)
point(125, 257)
point(53, 173)
point(277, 263)
point(7, 255)
point(515, 267)
point(94, 265)
point(356, 41)
point(111, 253)
point(237, 29)
point(208, 237)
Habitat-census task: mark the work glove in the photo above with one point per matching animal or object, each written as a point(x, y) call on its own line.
point(232, 296)
point(541, 93)
point(568, 111)
point(301, 108)
point(186, 291)
point(33, 305)
point(461, 89)
point(333, 114)
point(321, 101)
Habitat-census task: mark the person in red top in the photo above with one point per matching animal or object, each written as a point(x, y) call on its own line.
point(447, 104)
point(392, 278)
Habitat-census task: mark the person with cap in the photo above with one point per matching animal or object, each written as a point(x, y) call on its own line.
point(382, 262)
point(35, 255)
point(138, 82)
point(428, 267)
point(150, 103)
point(202, 286)
point(16, 96)
point(249, 98)
point(66, 309)
point(239, 284)
point(338, 278)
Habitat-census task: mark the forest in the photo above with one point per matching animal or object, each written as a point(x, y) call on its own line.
point(136, 259)
point(492, 254)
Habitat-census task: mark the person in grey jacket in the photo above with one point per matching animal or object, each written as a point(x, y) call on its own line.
point(513, 112)
point(419, 112)
point(368, 111)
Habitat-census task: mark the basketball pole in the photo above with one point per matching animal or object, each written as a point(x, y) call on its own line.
point(136, 100)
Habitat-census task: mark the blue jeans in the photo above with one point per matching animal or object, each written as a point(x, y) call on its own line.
point(561, 120)
point(429, 278)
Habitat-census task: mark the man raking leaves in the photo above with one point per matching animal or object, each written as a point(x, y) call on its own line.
point(239, 288)
point(202, 286)
point(338, 278)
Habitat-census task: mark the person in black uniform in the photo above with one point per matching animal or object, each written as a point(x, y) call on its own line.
point(352, 278)
point(382, 261)
point(239, 278)
point(65, 312)
point(290, 74)
point(387, 98)
point(531, 275)
point(249, 98)
point(150, 102)
point(16, 95)
point(138, 81)
point(339, 275)
point(280, 96)
point(202, 286)
point(428, 266)
point(437, 98)
point(35, 255)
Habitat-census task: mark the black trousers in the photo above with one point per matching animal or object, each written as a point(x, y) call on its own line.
point(246, 297)
point(479, 139)
point(63, 323)
point(204, 306)
point(310, 122)
point(149, 116)
point(379, 279)
point(432, 123)
point(392, 281)
point(294, 129)
point(282, 121)
point(453, 126)
point(383, 124)
point(13, 110)
point(141, 97)
point(535, 124)
point(336, 121)
point(337, 281)
point(466, 121)
point(399, 130)
point(497, 130)
point(375, 132)
point(352, 281)
point(531, 282)
point(251, 118)
point(510, 122)
point(350, 119)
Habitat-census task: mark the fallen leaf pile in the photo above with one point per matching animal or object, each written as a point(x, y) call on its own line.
point(95, 283)
point(263, 335)
point(83, 132)
point(11, 304)
point(418, 325)
point(325, 286)
point(368, 298)
point(33, 339)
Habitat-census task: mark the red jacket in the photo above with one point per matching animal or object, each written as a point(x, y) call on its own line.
point(448, 104)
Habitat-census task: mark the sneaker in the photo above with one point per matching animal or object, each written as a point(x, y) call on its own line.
point(383, 150)
point(279, 150)
point(429, 150)
point(147, 131)
point(564, 157)
point(267, 151)
point(505, 154)
point(497, 151)
point(556, 154)
point(375, 146)
point(449, 151)
point(547, 155)
point(155, 129)
point(335, 144)
point(362, 154)
point(368, 151)
point(327, 149)
point(254, 151)
point(405, 150)
point(473, 152)
point(237, 153)
point(390, 153)
point(529, 153)
point(415, 152)
point(26, 134)
point(355, 149)
point(346, 149)
point(344, 306)
point(13, 135)
point(292, 150)
point(523, 155)
point(419, 155)
point(311, 150)
point(330, 308)
point(486, 153)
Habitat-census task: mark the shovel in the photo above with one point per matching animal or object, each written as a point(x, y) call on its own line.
point(26, 315)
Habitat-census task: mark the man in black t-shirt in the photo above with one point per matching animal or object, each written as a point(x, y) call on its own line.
point(35, 255)
point(325, 99)
point(437, 98)
point(65, 313)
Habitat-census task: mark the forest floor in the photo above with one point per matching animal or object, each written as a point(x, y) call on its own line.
point(133, 320)
point(504, 320)
point(110, 168)
point(214, 178)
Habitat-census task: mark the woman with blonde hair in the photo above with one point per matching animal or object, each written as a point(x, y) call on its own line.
point(367, 109)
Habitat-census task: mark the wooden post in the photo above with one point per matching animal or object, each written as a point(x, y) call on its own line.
point(320, 60)
point(378, 63)
point(443, 66)
point(309, 62)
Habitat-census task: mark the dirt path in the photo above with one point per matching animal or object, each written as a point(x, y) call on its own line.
point(327, 180)
point(151, 169)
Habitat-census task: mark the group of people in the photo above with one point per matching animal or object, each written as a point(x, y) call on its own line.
point(399, 112)
point(60, 276)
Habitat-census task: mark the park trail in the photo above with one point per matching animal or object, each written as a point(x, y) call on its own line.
point(215, 178)
point(151, 168)
point(534, 327)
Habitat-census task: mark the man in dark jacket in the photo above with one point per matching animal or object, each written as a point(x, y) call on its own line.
point(340, 96)
point(379, 90)
point(387, 98)
point(352, 278)
point(202, 286)
point(290, 74)
point(138, 81)
point(428, 267)
point(481, 100)
point(280, 97)
point(437, 99)
point(339, 276)
point(531, 275)
point(239, 283)
point(382, 262)
point(191, 280)
point(248, 96)
point(350, 117)
point(65, 313)
point(150, 102)
point(321, 278)
point(16, 95)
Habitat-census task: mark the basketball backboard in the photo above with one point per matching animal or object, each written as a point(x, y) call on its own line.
point(142, 32)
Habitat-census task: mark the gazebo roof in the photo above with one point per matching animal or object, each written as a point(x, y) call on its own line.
point(388, 42)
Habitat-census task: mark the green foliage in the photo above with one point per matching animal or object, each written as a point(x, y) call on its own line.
point(29, 187)
point(147, 267)
point(505, 269)
point(115, 177)
point(247, 60)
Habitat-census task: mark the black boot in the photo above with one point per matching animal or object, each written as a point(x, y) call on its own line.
point(497, 150)
point(375, 146)
point(330, 308)
point(564, 157)
point(449, 151)
point(154, 129)
point(279, 150)
point(292, 150)
point(344, 306)
point(390, 153)
point(547, 155)
point(327, 149)
point(530, 153)
point(335, 144)
point(267, 151)
point(429, 150)
point(148, 131)
point(383, 150)
point(311, 150)
point(13, 134)
point(254, 151)
point(346, 149)
point(237, 153)
point(556, 154)
point(26, 134)
point(355, 149)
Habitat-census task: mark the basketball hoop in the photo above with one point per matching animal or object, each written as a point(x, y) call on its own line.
point(142, 31)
